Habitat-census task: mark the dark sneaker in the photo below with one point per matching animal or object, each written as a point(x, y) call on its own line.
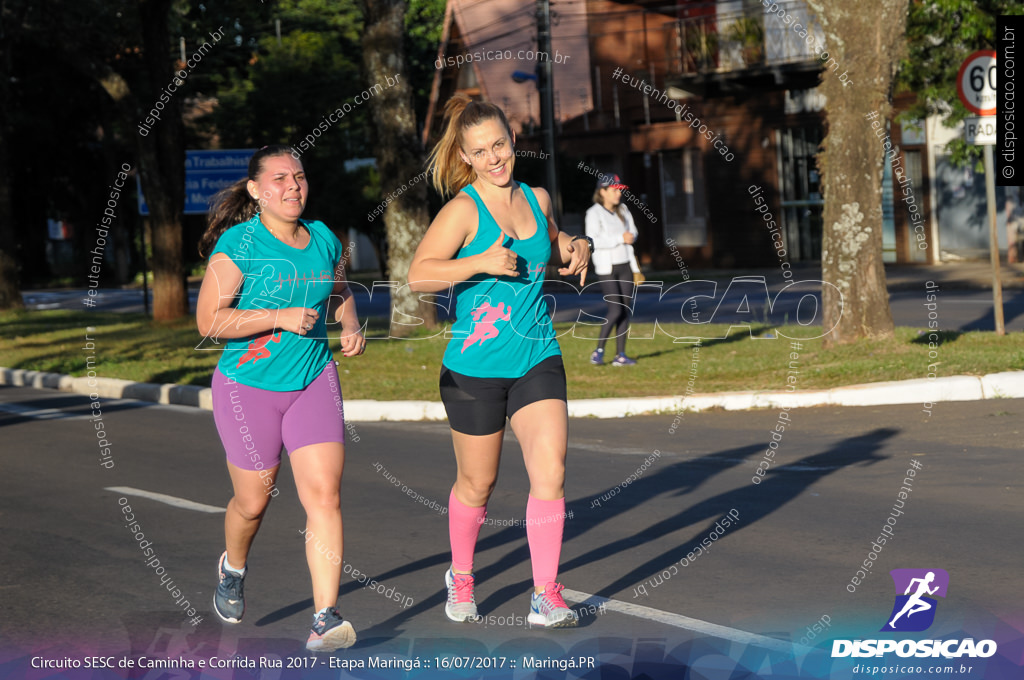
point(623, 360)
point(229, 601)
point(597, 357)
point(549, 609)
point(330, 632)
point(461, 605)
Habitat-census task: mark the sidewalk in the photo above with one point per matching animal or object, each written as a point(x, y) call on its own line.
point(923, 391)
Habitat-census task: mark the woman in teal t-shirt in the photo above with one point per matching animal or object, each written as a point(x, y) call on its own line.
point(269, 288)
point(492, 242)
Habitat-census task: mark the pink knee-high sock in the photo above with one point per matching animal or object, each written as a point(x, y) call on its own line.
point(463, 528)
point(544, 523)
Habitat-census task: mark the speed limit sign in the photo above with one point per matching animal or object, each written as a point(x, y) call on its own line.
point(976, 82)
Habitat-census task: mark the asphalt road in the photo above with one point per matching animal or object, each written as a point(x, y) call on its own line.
point(75, 582)
point(722, 302)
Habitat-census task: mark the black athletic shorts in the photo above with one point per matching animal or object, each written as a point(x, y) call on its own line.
point(480, 406)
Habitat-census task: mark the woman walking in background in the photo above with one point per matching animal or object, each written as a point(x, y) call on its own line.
point(268, 291)
point(493, 241)
point(611, 227)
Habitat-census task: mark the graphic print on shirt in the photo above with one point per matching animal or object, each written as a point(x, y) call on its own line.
point(485, 317)
point(258, 348)
point(535, 270)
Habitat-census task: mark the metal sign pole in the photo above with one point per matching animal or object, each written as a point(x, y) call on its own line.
point(976, 87)
point(997, 284)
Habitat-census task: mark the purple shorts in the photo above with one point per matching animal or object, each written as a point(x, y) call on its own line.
point(254, 423)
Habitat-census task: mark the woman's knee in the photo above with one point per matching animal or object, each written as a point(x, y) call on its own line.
point(550, 476)
point(475, 490)
point(321, 499)
point(250, 506)
point(547, 470)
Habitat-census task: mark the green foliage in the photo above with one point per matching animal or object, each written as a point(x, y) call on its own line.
point(424, 21)
point(940, 35)
point(273, 90)
point(256, 88)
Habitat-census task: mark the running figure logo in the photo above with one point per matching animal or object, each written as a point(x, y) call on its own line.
point(915, 611)
point(485, 317)
point(258, 349)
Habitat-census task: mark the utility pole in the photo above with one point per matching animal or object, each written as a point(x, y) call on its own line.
point(547, 103)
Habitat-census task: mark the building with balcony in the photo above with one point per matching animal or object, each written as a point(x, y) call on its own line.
point(696, 105)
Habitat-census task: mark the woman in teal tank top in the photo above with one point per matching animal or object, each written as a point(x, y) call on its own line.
point(272, 282)
point(492, 243)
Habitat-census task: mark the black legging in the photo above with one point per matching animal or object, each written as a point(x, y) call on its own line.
point(617, 288)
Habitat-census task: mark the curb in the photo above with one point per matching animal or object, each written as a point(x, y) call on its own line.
point(1005, 385)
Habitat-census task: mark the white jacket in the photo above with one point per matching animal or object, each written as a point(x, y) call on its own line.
point(609, 249)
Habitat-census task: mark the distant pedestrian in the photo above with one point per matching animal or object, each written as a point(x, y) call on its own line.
point(492, 241)
point(611, 227)
point(270, 285)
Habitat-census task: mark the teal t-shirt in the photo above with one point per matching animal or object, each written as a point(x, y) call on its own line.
point(502, 325)
point(279, 276)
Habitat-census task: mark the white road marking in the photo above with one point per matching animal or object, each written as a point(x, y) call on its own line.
point(37, 413)
point(164, 498)
point(685, 622)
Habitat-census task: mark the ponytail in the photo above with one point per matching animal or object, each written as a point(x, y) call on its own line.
point(449, 173)
point(228, 207)
point(233, 204)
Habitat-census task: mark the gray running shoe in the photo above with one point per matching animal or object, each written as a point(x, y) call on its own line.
point(229, 601)
point(461, 604)
point(549, 609)
point(330, 632)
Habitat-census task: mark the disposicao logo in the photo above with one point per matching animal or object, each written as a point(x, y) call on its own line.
point(914, 611)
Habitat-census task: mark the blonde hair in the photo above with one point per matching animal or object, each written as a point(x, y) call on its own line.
point(619, 209)
point(448, 172)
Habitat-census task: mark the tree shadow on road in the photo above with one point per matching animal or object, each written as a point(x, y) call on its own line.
point(751, 502)
point(682, 477)
point(1013, 306)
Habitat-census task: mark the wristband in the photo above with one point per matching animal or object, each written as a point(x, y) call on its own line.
point(590, 241)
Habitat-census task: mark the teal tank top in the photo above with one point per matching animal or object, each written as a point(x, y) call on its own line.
point(279, 276)
point(502, 325)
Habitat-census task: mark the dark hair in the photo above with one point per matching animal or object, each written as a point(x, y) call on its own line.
point(449, 174)
point(233, 204)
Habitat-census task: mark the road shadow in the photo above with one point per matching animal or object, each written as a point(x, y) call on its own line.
point(1013, 306)
point(671, 482)
point(753, 502)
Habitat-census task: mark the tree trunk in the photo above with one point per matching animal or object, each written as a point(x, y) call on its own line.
point(399, 157)
point(162, 166)
point(10, 284)
point(10, 288)
point(867, 46)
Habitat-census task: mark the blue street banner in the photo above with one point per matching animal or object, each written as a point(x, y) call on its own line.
point(206, 173)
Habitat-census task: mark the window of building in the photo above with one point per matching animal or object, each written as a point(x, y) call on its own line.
point(682, 196)
point(800, 190)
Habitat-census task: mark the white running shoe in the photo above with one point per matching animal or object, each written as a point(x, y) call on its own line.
point(461, 605)
point(549, 609)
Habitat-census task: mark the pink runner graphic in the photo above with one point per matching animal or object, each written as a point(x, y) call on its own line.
point(258, 349)
point(486, 316)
